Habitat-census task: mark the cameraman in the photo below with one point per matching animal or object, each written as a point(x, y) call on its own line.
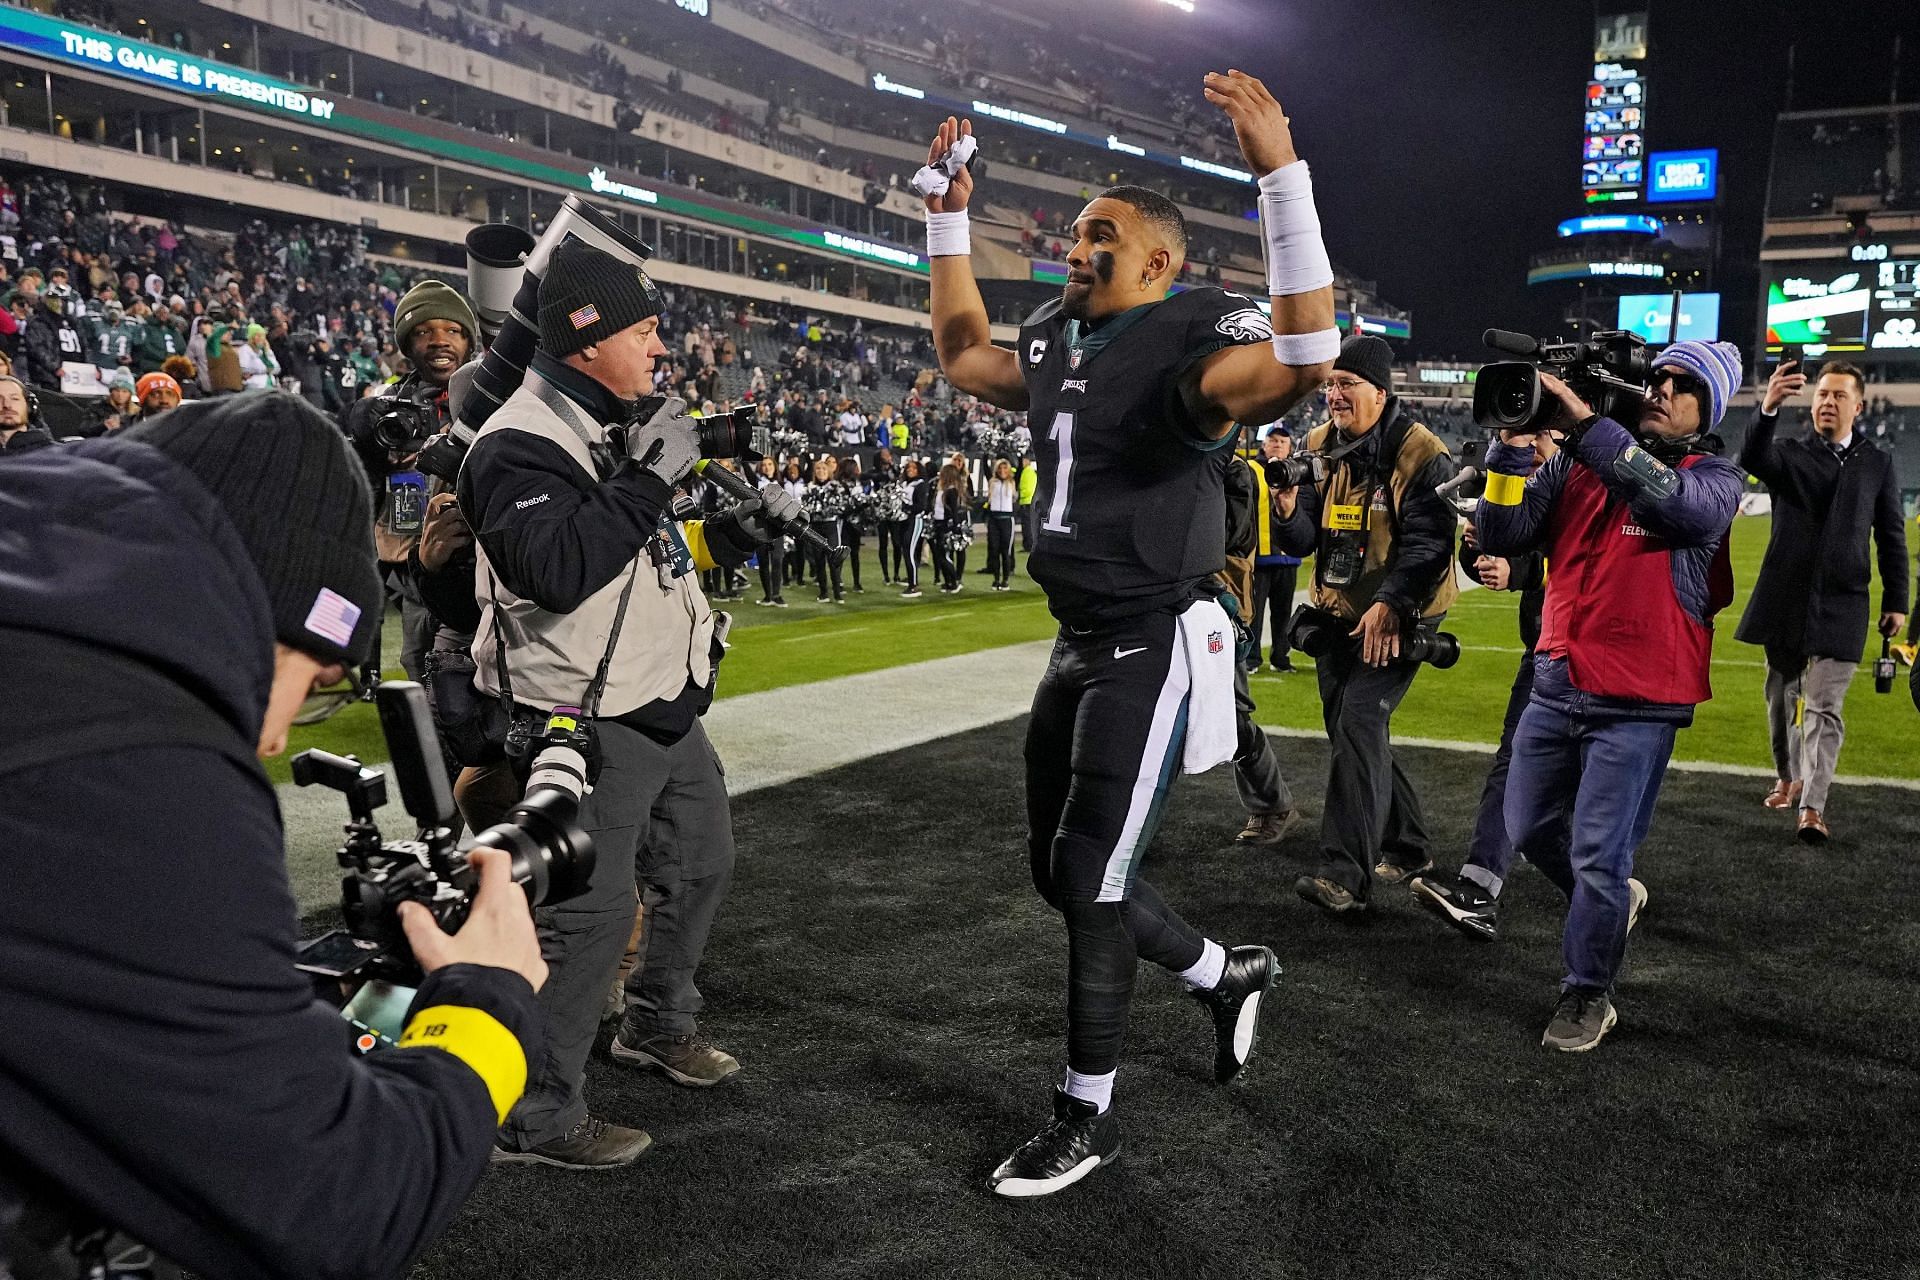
point(180, 1083)
point(435, 328)
point(1383, 546)
point(1634, 527)
point(585, 583)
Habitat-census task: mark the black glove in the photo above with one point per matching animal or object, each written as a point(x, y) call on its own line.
point(740, 532)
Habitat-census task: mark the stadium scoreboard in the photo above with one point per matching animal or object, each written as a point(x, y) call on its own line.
point(1613, 151)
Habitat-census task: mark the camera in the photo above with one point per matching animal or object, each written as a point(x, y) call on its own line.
point(1883, 667)
point(1301, 468)
point(1318, 632)
point(404, 425)
point(1609, 371)
point(743, 433)
point(552, 859)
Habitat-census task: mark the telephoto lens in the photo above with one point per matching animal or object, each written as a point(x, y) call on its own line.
point(1438, 648)
point(739, 434)
point(552, 857)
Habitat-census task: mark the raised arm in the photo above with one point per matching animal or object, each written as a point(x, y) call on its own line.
point(962, 333)
point(1258, 383)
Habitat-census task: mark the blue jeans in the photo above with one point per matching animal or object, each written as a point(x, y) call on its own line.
point(1611, 767)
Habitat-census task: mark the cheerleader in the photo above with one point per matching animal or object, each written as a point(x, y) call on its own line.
point(1003, 492)
point(826, 502)
point(773, 556)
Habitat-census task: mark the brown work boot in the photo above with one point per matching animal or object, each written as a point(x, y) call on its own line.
point(1785, 795)
point(690, 1059)
point(1267, 829)
point(1813, 829)
point(591, 1144)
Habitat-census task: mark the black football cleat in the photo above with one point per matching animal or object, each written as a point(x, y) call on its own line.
point(1235, 1005)
point(1079, 1140)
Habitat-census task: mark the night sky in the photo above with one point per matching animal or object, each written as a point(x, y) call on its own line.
point(1445, 137)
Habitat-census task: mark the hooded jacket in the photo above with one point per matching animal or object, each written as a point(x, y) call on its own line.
point(181, 1083)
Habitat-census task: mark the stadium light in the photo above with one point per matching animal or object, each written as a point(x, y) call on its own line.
point(1184, 6)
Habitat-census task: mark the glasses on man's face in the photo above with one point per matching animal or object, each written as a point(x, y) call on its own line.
point(1681, 384)
point(1345, 386)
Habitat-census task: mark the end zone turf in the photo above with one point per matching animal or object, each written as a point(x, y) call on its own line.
point(893, 987)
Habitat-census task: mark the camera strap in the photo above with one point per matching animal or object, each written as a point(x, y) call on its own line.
point(590, 705)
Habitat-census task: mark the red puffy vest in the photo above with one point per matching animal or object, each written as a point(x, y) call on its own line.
point(1611, 607)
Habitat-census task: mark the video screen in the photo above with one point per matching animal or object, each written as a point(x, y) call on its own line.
point(1651, 316)
point(1605, 175)
point(1894, 322)
point(1613, 146)
point(1817, 304)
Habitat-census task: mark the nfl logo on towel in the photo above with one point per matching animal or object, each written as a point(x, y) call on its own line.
point(585, 316)
point(1215, 642)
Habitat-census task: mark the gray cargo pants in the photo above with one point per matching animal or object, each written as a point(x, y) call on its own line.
point(658, 818)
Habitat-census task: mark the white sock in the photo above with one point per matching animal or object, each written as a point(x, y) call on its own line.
point(1206, 971)
point(1095, 1089)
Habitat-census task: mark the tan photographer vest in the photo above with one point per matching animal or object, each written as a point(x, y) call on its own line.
point(665, 640)
point(1345, 502)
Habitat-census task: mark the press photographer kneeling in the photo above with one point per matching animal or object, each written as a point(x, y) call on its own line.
point(1382, 542)
point(590, 597)
point(179, 1083)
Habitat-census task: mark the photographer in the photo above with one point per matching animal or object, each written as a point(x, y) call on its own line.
point(590, 593)
point(1383, 546)
point(1634, 527)
point(1470, 901)
point(435, 327)
point(181, 1084)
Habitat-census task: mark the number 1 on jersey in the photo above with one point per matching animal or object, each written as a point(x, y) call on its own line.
point(1062, 434)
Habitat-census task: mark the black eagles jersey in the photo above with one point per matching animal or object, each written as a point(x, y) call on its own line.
point(1129, 513)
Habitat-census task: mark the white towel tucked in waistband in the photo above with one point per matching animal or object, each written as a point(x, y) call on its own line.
point(1207, 634)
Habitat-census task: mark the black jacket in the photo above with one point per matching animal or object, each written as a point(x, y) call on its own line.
point(1811, 597)
point(180, 1081)
point(1526, 574)
point(1422, 526)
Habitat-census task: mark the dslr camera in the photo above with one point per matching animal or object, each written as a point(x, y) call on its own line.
point(1318, 632)
point(552, 858)
point(745, 433)
point(405, 424)
point(1610, 371)
point(1301, 468)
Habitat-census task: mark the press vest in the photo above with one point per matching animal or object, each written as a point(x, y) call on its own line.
point(667, 636)
point(1611, 607)
point(1347, 495)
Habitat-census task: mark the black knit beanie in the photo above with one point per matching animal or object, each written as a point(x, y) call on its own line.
point(1368, 357)
point(587, 295)
point(298, 498)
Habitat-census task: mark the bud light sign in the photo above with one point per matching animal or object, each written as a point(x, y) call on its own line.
point(1683, 175)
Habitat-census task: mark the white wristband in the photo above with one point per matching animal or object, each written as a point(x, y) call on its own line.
point(1317, 347)
point(1297, 259)
point(947, 235)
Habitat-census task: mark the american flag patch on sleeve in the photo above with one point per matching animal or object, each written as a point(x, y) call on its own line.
point(333, 617)
point(585, 316)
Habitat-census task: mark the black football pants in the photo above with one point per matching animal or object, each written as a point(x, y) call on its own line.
point(1103, 746)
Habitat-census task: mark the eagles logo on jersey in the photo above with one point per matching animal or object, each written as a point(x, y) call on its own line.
point(1130, 514)
point(1249, 324)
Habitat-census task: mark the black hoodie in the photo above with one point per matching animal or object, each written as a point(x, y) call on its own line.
point(164, 1065)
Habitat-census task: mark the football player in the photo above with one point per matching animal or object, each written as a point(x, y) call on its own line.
point(1128, 393)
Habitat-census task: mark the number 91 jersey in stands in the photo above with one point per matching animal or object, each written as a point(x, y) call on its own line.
point(1130, 511)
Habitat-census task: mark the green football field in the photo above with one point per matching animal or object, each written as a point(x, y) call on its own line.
point(810, 642)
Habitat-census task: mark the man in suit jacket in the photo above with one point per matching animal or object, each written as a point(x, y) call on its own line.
point(1833, 492)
